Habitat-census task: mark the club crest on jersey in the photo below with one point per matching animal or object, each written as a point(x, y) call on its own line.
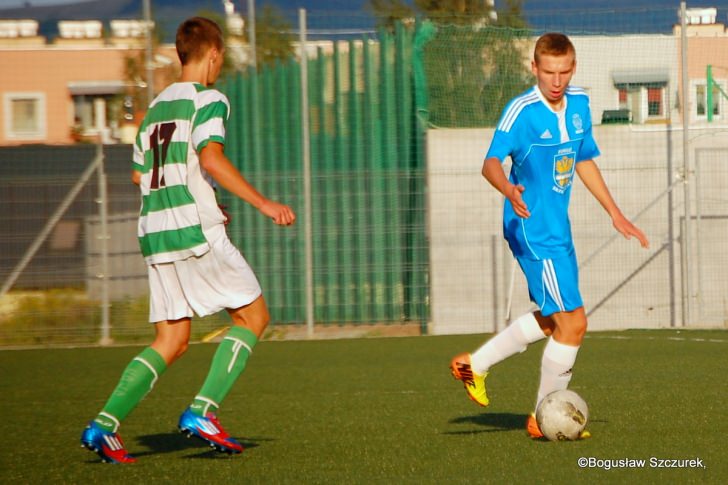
point(563, 169)
point(578, 124)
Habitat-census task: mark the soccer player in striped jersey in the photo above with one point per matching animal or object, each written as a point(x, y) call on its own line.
point(547, 132)
point(193, 267)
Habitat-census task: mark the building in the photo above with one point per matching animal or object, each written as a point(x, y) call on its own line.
point(89, 83)
point(80, 87)
point(707, 65)
point(638, 79)
point(640, 87)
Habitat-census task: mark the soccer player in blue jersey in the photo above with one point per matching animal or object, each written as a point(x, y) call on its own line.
point(547, 132)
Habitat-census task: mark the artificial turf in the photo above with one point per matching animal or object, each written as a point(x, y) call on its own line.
point(379, 410)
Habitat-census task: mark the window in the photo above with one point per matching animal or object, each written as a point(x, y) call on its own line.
point(86, 113)
point(716, 101)
point(623, 103)
point(643, 91)
point(701, 100)
point(25, 117)
point(643, 102)
point(654, 102)
point(95, 115)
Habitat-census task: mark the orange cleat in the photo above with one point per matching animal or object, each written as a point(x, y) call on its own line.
point(534, 432)
point(474, 383)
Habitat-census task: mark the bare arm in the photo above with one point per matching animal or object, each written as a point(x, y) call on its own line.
point(590, 174)
point(214, 161)
point(494, 174)
point(136, 177)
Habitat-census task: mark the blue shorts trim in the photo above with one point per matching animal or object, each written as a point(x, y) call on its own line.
point(553, 284)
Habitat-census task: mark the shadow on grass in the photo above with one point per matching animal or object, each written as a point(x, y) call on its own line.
point(496, 422)
point(175, 442)
point(493, 422)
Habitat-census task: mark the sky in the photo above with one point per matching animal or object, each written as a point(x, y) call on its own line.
point(580, 17)
point(35, 3)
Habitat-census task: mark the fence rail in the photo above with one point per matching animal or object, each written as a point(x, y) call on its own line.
point(403, 228)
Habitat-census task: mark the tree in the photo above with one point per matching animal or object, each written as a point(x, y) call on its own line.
point(230, 63)
point(473, 64)
point(512, 15)
point(134, 101)
point(507, 74)
point(272, 37)
point(388, 12)
point(454, 11)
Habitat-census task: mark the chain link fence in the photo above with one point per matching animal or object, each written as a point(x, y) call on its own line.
point(405, 229)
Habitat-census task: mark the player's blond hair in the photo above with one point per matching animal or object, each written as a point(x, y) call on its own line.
point(553, 44)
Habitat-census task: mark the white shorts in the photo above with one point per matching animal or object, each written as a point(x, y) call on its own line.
point(217, 280)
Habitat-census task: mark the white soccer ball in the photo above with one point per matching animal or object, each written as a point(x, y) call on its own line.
point(562, 415)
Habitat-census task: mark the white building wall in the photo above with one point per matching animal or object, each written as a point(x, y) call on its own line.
point(599, 56)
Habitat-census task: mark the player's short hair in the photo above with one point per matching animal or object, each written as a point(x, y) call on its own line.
point(553, 44)
point(195, 36)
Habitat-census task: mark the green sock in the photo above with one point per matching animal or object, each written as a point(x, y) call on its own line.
point(136, 381)
point(227, 365)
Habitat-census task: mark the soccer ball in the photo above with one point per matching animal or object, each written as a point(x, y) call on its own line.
point(562, 415)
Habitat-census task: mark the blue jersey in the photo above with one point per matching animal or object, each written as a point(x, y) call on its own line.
point(545, 147)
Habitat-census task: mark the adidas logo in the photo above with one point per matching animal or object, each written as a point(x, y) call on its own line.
point(546, 135)
point(112, 441)
point(208, 427)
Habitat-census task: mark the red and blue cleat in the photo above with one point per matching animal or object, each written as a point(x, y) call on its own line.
point(106, 444)
point(208, 429)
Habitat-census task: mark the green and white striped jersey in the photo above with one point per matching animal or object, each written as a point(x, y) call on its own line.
point(179, 210)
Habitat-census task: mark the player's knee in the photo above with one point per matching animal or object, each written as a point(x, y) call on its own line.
point(182, 348)
point(264, 317)
point(570, 326)
point(577, 329)
point(176, 350)
point(256, 323)
point(546, 324)
point(170, 349)
point(254, 316)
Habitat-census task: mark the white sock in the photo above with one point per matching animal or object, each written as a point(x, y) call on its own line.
point(511, 340)
point(556, 364)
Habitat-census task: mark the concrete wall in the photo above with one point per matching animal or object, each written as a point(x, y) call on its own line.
point(623, 285)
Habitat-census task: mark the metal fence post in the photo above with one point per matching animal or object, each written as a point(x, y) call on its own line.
point(686, 166)
point(103, 236)
point(306, 147)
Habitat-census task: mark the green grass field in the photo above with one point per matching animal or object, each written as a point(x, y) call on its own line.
point(377, 411)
